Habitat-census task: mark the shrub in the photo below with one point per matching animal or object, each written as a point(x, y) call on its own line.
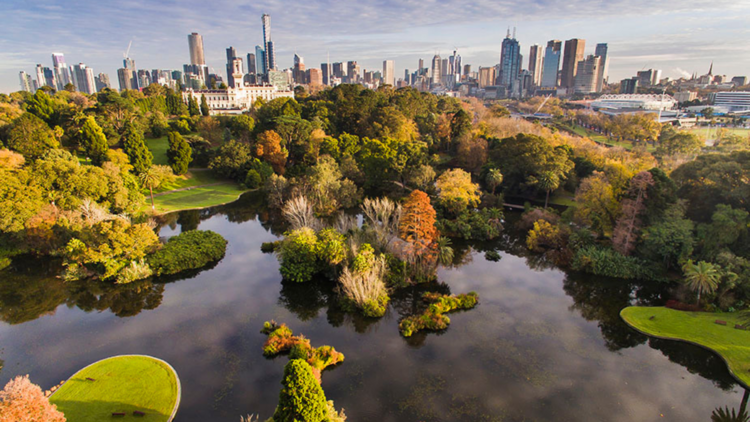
point(433, 318)
point(298, 255)
point(363, 286)
point(610, 263)
point(187, 251)
point(137, 270)
point(22, 401)
point(252, 180)
point(281, 339)
point(485, 224)
point(301, 398)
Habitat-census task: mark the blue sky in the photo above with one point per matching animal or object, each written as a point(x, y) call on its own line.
point(675, 36)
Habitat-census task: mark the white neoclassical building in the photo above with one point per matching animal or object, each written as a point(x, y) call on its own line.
point(238, 98)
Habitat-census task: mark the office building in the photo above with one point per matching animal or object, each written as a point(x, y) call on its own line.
point(327, 71)
point(84, 78)
point(127, 79)
point(45, 77)
point(601, 52)
point(339, 70)
point(352, 71)
point(551, 65)
point(389, 73)
point(732, 101)
point(435, 74)
point(27, 84)
point(486, 76)
point(260, 60)
point(270, 54)
point(299, 74)
point(195, 43)
point(251, 65)
point(536, 59)
point(510, 64)
point(587, 75)
point(314, 77)
point(102, 81)
point(231, 57)
point(571, 56)
point(685, 96)
point(649, 77)
point(739, 80)
point(629, 86)
point(62, 73)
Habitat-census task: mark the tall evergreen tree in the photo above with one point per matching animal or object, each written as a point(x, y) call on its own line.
point(179, 153)
point(193, 107)
point(134, 146)
point(93, 141)
point(302, 398)
point(204, 106)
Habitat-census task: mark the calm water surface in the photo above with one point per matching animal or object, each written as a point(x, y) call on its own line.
point(542, 345)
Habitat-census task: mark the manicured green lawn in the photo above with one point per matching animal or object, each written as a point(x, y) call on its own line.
point(122, 384)
point(192, 178)
point(201, 197)
point(158, 147)
point(601, 139)
point(697, 327)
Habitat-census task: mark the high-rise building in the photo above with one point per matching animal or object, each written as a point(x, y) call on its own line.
point(327, 71)
point(27, 83)
point(84, 78)
point(231, 57)
point(551, 63)
point(467, 70)
point(352, 71)
point(421, 66)
point(299, 74)
point(739, 80)
point(251, 64)
point(195, 43)
point(510, 63)
point(127, 79)
point(339, 70)
point(102, 81)
point(62, 75)
point(648, 77)
point(314, 77)
point(270, 54)
point(587, 75)
point(601, 51)
point(536, 58)
point(435, 74)
point(486, 76)
point(572, 55)
point(260, 60)
point(389, 73)
point(629, 86)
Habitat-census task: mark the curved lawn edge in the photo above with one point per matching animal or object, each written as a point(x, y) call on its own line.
point(632, 325)
point(161, 214)
point(165, 363)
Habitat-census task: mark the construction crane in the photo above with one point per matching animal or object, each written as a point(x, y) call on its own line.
point(127, 52)
point(543, 103)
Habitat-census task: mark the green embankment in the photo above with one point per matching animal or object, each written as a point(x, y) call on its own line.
point(700, 328)
point(120, 384)
point(199, 188)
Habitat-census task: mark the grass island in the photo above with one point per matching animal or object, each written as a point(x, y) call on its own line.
point(133, 385)
point(700, 328)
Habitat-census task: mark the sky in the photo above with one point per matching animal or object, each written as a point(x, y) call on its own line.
point(678, 37)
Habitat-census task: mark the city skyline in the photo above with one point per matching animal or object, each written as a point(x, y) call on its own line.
point(686, 40)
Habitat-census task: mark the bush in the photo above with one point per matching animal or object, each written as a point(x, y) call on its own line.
point(303, 253)
point(301, 398)
point(484, 224)
point(187, 251)
point(610, 263)
point(252, 180)
point(433, 318)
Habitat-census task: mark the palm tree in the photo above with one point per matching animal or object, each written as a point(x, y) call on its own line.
point(547, 181)
point(701, 277)
point(725, 415)
point(151, 179)
point(445, 251)
point(494, 179)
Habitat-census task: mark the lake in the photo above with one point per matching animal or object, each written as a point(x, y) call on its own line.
point(542, 345)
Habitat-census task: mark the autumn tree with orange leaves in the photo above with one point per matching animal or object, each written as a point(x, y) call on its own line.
point(268, 147)
point(22, 401)
point(417, 228)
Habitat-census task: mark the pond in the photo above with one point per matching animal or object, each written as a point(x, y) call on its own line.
point(542, 345)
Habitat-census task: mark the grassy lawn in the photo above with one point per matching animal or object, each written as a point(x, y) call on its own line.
point(697, 327)
point(158, 147)
point(192, 178)
point(601, 139)
point(122, 384)
point(202, 197)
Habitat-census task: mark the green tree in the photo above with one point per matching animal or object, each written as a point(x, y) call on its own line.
point(597, 204)
point(302, 398)
point(669, 240)
point(460, 124)
point(494, 178)
point(134, 146)
point(193, 107)
point(179, 153)
point(41, 105)
point(456, 192)
point(154, 177)
point(242, 127)
point(686, 143)
point(93, 141)
point(547, 181)
point(205, 111)
point(701, 277)
point(30, 136)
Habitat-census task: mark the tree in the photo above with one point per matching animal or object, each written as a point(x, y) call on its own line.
point(460, 124)
point(31, 137)
point(20, 199)
point(547, 181)
point(701, 277)
point(205, 111)
point(242, 127)
point(494, 178)
point(670, 239)
point(597, 205)
point(134, 146)
point(41, 105)
point(22, 401)
point(686, 143)
point(417, 228)
point(268, 147)
point(301, 397)
point(193, 107)
point(93, 141)
point(179, 153)
point(154, 177)
point(456, 191)
point(726, 415)
point(232, 160)
point(629, 223)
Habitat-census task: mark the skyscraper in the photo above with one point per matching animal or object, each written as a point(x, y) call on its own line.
point(268, 44)
point(535, 64)
point(260, 60)
point(510, 62)
point(251, 63)
point(352, 70)
point(389, 73)
point(486, 76)
point(45, 76)
point(601, 51)
point(299, 75)
point(195, 42)
point(551, 64)
point(314, 77)
point(102, 81)
point(587, 75)
point(26, 82)
point(339, 70)
point(421, 66)
point(231, 57)
point(573, 54)
point(435, 74)
point(61, 70)
point(84, 77)
point(327, 73)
